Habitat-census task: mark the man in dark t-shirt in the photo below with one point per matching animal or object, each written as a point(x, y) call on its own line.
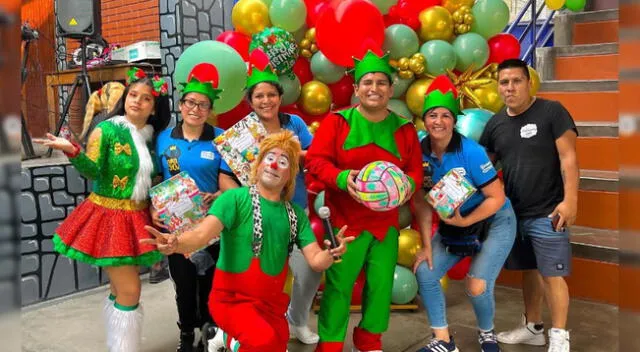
point(535, 141)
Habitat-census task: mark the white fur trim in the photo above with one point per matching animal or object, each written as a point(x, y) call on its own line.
point(145, 167)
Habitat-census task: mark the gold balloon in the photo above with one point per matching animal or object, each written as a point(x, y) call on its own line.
point(453, 5)
point(535, 81)
point(415, 95)
point(489, 97)
point(305, 43)
point(306, 53)
point(435, 23)
point(444, 282)
point(250, 16)
point(419, 123)
point(314, 48)
point(409, 243)
point(315, 98)
point(414, 64)
point(403, 63)
point(311, 34)
point(419, 57)
point(393, 63)
point(288, 283)
point(405, 74)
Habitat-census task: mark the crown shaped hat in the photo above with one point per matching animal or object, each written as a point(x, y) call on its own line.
point(442, 94)
point(203, 79)
point(260, 69)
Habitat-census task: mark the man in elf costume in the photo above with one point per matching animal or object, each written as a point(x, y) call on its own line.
point(259, 227)
point(345, 142)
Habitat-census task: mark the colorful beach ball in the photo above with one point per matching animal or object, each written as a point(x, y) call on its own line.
point(382, 186)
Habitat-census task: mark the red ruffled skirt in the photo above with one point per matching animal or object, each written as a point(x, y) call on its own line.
point(107, 232)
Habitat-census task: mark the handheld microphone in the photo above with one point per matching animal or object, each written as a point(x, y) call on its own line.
point(324, 213)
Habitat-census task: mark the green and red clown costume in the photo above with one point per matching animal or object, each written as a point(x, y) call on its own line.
point(247, 301)
point(345, 141)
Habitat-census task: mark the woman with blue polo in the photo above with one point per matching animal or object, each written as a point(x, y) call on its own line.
point(483, 227)
point(189, 147)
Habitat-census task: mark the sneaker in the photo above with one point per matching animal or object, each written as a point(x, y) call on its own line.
point(558, 340)
point(440, 346)
point(186, 342)
point(488, 341)
point(158, 273)
point(216, 344)
point(304, 334)
point(525, 334)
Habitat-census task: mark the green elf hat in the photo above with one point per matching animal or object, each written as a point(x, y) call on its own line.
point(260, 69)
point(442, 94)
point(203, 79)
point(372, 61)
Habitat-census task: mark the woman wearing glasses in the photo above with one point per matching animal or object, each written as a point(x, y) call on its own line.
point(189, 147)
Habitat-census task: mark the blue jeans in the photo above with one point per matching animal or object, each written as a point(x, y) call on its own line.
point(485, 265)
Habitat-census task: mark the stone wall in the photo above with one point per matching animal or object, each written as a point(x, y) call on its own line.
point(186, 22)
point(49, 194)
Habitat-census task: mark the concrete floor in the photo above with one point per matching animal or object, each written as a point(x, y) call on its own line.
point(75, 324)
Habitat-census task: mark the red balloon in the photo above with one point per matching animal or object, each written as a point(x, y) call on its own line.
point(353, 21)
point(318, 229)
point(503, 46)
point(238, 41)
point(302, 69)
point(407, 11)
point(460, 270)
point(234, 115)
point(314, 9)
point(341, 92)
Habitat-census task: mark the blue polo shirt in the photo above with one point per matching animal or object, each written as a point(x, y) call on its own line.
point(199, 158)
point(300, 129)
point(469, 158)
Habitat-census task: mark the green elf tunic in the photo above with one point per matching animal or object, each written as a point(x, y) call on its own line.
point(348, 141)
point(105, 229)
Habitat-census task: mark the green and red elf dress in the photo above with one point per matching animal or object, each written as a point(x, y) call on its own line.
point(248, 301)
point(348, 141)
point(105, 229)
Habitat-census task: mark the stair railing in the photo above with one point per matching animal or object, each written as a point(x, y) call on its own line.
point(528, 51)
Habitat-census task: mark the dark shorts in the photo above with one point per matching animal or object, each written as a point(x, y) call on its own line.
point(538, 246)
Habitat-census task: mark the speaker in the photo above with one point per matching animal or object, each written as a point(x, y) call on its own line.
point(78, 18)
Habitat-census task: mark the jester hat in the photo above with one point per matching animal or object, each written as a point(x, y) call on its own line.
point(442, 94)
point(203, 79)
point(260, 69)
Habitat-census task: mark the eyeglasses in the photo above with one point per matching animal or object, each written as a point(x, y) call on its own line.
point(190, 104)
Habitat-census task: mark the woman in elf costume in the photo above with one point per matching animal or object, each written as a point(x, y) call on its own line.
point(345, 142)
point(258, 227)
point(105, 229)
point(264, 94)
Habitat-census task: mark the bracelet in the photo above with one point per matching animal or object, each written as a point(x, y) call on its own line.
point(75, 152)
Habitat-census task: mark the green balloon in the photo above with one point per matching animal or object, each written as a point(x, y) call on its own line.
point(400, 41)
point(471, 49)
point(384, 5)
point(400, 85)
point(439, 55)
point(575, 5)
point(318, 202)
point(490, 17)
point(291, 86)
point(289, 15)
point(280, 47)
point(405, 286)
point(400, 107)
point(232, 70)
point(299, 34)
point(404, 216)
point(324, 70)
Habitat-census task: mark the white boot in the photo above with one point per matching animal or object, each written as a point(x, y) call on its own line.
point(125, 330)
point(107, 311)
